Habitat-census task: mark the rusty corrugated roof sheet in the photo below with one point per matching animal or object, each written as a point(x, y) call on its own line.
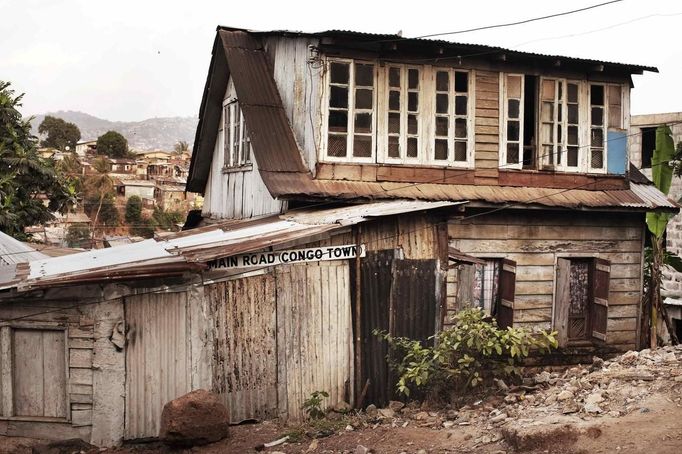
point(189, 250)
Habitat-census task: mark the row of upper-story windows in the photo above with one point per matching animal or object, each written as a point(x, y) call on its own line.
point(405, 114)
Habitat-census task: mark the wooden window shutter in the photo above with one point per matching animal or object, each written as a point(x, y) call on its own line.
point(599, 309)
point(505, 315)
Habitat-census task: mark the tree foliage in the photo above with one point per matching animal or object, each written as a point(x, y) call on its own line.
point(662, 174)
point(25, 178)
point(112, 144)
point(181, 146)
point(472, 352)
point(133, 214)
point(60, 133)
point(78, 235)
point(167, 220)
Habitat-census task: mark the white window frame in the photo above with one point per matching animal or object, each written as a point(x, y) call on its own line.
point(227, 139)
point(425, 122)
point(504, 118)
point(350, 132)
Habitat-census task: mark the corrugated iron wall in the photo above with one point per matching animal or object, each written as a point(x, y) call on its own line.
point(244, 353)
point(314, 335)
point(158, 364)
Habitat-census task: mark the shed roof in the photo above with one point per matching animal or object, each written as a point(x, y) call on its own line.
point(190, 250)
point(13, 251)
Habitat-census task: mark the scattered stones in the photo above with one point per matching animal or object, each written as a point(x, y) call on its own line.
point(386, 413)
point(371, 410)
point(396, 405)
point(362, 450)
point(197, 418)
point(448, 424)
point(342, 407)
point(499, 418)
point(564, 395)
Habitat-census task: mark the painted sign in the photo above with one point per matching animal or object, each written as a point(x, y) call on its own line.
point(260, 259)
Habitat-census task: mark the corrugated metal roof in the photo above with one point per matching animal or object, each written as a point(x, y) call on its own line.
point(13, 251)
point(638, 196)
point(187, 250)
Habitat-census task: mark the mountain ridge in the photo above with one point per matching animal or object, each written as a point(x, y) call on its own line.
point(160, 133)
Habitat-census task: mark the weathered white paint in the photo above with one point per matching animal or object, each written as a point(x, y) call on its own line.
point(236, 193)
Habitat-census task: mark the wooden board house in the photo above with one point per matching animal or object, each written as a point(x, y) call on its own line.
point(351, 182)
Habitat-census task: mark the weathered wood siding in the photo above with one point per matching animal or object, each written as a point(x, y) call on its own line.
point(281, 336)
point(236, 194)
point(299, 85)
point(245, 350)
point(416, 234)
point(535, 240)
point(158, 363)
point(487, 119)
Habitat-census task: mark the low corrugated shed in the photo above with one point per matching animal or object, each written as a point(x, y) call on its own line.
point(13, 251)
point(190, 250)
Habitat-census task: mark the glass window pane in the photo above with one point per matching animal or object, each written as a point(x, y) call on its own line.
point(363, 122)
point(573, 113)
point(412, 78)
point(615, 117)
point(614, 95)
point(413, 101)
point(441, 150)
point(441, 103)
point(514, 86)
point(572, 92)
point(547, 133)
point(573, 135)
point(512, 153)
point(393, 147)
point(442, 126)
point(513, 108)
point(597, 137)
point(548, 153)
point(412, 150)
point(442, 81)
point(394, 123)
point(597, 116)
point(460, 105)
point(547, 111)
point(393, 100)
point(461, 82)
point(339, 72)
point(460, 151)
point(513, 130)
point(338, 121)
point(597, 95)
point(412, 127)
point(559, 133)
point(547, 92)
point(362, 146)
point(338, 97)
point(363, 98)
point(597, 158)
point(364, 75)
point(460, 128)
point(394, 77)
point(572, 157)
point(336, 145)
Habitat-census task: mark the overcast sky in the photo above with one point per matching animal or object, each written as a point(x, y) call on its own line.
point(131, 60)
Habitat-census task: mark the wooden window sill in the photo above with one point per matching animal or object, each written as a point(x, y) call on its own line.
point(242, 168)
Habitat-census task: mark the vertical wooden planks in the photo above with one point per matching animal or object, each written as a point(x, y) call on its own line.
point(28, 373)
point(54, 377)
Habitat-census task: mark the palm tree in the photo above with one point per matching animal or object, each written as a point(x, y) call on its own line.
point(99, 184)
point(181, 146)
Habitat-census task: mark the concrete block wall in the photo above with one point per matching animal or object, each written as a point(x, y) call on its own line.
point(672, 281)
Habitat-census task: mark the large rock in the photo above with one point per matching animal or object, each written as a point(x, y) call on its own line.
point(197, 418)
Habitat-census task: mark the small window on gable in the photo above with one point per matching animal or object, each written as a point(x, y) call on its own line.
point(236, 143)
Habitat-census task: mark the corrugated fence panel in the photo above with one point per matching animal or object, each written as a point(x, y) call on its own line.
point(158, 361)
point(314, 335)
point(245, 362)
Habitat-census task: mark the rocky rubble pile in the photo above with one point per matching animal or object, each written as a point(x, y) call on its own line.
point(612, 388)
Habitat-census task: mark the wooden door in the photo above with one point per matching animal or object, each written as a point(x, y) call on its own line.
point(158, 361)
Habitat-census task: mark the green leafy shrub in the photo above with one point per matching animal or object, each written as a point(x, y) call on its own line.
point(470, 353)
point(313, 404)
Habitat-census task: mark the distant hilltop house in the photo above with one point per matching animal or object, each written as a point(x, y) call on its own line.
point(86, 147)
point(642, 144)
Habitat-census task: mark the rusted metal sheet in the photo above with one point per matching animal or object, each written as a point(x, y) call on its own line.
point(14, 251)
point(245, 346)
point(158, 364)
point(399, 297)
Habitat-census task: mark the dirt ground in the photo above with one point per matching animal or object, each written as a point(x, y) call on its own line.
point(630, 404)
